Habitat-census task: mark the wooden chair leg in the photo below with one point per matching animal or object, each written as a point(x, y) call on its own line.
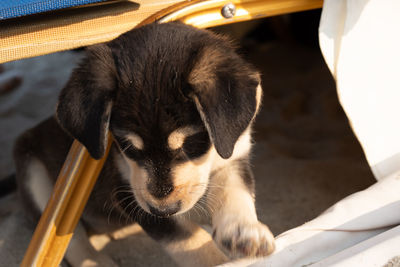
point(63, 211)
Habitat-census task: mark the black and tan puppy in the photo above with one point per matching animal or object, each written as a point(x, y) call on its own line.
point(179, 103)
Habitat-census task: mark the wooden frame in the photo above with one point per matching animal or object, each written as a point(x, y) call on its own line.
point(80, 171)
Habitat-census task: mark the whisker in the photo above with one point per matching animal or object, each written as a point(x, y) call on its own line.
point(204, 202)
point(195, 209)
point(123, 210)
point(204, 210)
point(135, 212)
point(129, 214)
point(125, 148)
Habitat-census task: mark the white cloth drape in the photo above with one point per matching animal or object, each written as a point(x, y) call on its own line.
point(360, 41)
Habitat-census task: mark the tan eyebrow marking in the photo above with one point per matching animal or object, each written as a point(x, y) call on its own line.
point(177, 137)
point(136, 140)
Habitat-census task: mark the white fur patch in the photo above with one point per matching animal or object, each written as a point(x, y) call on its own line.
point(177, 137)
point(235, 220)
point(39, 183)
point(233, 195)
point(123, 166)
point(258, 98)
point(136, 141)
point(135, 175)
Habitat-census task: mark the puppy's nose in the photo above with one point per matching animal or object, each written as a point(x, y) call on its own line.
point(165, 211)
point(160, 190)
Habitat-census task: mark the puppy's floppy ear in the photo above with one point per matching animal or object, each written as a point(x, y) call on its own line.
point(227, 93)
point(85, 103)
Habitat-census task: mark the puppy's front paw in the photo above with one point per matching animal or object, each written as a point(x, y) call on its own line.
point(248, 239)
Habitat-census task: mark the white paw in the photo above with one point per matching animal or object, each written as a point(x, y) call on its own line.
point(248, 239)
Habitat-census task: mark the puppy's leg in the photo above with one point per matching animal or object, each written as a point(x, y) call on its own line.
point(36, 187)
point(235, 223)
point(187, 243)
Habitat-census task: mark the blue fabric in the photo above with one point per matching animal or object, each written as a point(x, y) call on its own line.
point(18, 8)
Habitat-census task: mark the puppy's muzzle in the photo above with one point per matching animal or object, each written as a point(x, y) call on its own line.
point(160, 191)
point(165, 210)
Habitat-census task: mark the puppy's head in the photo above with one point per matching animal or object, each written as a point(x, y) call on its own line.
point(175, 99)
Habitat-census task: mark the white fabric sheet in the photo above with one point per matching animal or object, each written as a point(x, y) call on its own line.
point(360, 41)
point(349, 225)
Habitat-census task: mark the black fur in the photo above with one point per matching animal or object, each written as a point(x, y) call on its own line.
point(83, 107)
point(7, 185)
point(151, 76)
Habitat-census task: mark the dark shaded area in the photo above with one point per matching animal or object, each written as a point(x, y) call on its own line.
point(7, 185)
point(306, 155)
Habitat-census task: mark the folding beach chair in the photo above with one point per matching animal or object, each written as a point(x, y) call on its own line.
point(35, 27)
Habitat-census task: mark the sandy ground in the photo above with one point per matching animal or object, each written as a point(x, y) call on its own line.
point(305, 159)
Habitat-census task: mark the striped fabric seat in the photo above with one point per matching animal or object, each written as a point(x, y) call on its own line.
point(18, 8)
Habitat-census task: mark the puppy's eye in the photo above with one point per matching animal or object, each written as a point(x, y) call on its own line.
point(196, 145)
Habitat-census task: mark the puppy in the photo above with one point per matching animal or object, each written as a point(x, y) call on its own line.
point(179, 103)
